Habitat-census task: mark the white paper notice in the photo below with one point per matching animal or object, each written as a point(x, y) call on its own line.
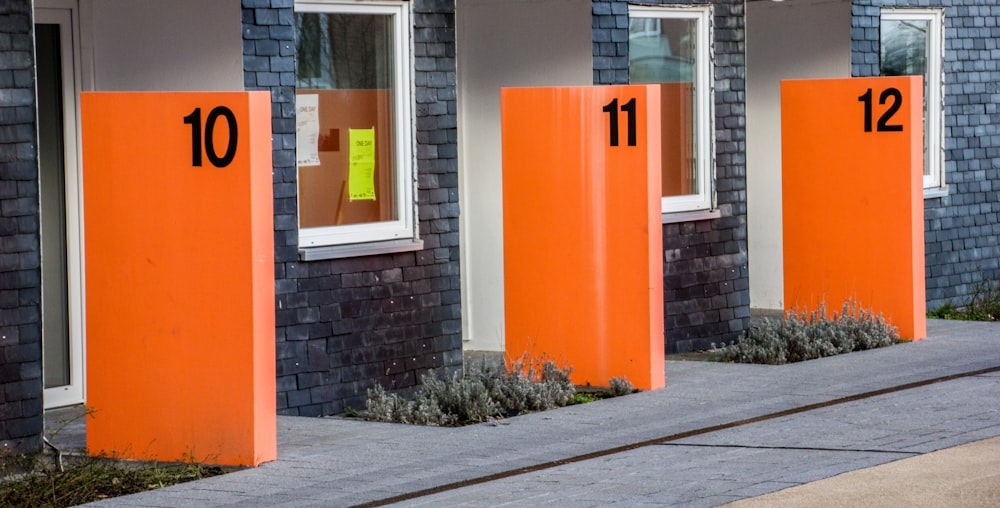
point(307, 129)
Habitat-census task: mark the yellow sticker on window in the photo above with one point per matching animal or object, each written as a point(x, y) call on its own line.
point(361, 183)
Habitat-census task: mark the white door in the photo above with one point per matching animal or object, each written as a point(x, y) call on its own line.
point(60, 211)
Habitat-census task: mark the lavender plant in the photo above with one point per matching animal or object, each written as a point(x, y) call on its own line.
point(808, 335)
point(480, 394)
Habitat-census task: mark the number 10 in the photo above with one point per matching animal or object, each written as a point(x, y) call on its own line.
point(194, 120)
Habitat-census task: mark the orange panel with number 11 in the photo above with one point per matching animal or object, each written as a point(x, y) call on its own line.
point(583, 273)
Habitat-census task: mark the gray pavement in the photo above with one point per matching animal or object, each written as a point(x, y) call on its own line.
point(754, 459)
point(718, 433)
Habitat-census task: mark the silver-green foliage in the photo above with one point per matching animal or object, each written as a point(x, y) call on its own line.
point(621, 386)
point(478, 395)
point(808, 335)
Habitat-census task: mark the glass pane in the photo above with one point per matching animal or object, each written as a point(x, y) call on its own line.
point(663, 50)
point(55, 314)
point(345, 118)
point(904, 47)
point(904, 50)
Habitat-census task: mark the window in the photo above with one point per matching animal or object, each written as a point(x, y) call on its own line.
point(671, 45)
point(353, 123)
point(912, 43)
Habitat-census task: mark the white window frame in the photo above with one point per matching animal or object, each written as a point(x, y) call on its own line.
point(65, 14)
point(934, 180)
point(704, 110)
point(401, 228)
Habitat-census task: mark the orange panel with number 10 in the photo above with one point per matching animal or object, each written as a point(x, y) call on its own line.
point(180, 276)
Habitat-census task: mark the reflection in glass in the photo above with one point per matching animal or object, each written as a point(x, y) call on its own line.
point(904, 50)
point(904, 47)
point(663, 50)
point(346, 62)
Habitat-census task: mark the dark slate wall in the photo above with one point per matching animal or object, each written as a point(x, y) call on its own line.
point(962, 229)
point(20, 277)
point(706, 289)
point(344, 325)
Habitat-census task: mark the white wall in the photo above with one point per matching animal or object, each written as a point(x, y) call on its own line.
point(798, 39)
point(503, 43)
point(161, 45)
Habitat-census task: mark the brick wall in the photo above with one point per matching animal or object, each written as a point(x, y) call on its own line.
point(706, 288)
point(962, 229)
point(20, 277)
point(344, 325)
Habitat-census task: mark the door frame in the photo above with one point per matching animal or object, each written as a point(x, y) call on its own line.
point(65, 14)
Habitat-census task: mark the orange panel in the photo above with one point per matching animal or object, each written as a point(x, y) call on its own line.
point(852, 193)
point(180, 277)
point(582, 232)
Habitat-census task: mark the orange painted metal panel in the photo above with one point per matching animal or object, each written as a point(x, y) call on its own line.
point(852, 193)
point(583, 273)
point(180, 277)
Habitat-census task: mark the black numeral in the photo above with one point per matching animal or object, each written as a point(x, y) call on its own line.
point(194, 120)
point(611, 109)
point(883, 121)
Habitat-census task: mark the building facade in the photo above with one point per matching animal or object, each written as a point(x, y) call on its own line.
point(376, 285)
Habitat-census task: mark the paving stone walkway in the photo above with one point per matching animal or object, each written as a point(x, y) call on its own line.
point(717, 433)
point(750, 460)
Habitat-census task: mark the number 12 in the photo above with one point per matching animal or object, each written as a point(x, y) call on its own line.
point(611, 109)
point(883, 121)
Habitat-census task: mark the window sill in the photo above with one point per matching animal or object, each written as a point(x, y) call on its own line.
point(674, 217)
point(359, 249)
point(935, 192)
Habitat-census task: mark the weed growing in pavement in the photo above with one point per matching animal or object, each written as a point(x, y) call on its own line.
point(984, 304)
point(809, 335)
point(619, 386)
point(948, 311)
point(480, 394)
point(583, 398)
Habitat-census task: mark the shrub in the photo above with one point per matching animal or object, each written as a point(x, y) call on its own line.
point(809, 335)
point(480, 394)
point(621, 386)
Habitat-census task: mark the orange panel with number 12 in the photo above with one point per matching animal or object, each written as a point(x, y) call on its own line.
point(852, 193)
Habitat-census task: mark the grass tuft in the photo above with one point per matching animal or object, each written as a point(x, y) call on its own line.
point(35, 482)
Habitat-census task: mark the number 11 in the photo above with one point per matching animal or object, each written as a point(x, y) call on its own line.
point(611, 109)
